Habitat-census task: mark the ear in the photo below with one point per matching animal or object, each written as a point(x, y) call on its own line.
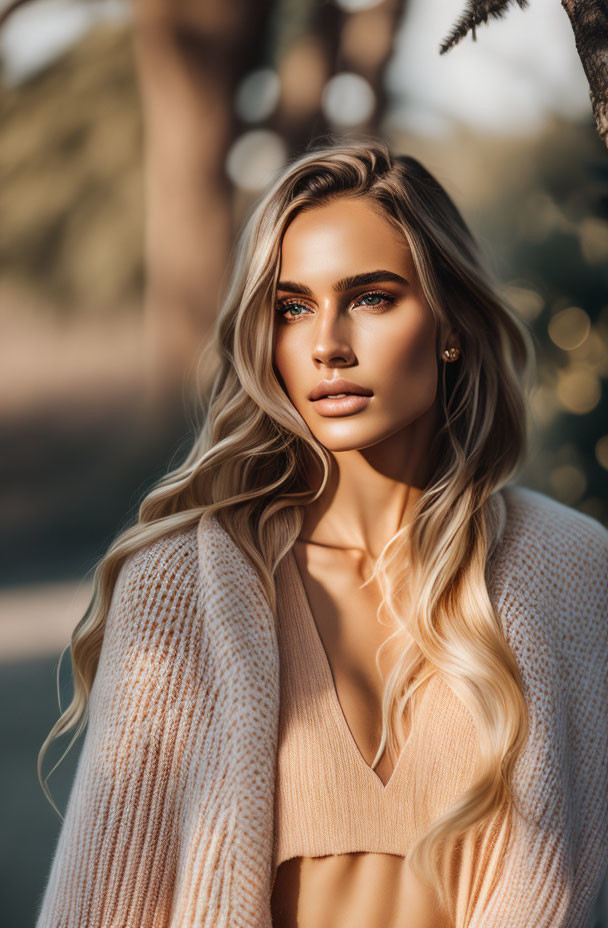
point(449, 338)
point(454, 339)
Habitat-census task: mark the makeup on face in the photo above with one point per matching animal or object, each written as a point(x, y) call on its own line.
point(339, 397)
point(355, 339)
point(344, 405)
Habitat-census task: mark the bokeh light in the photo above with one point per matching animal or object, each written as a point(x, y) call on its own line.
point(348, 100)
point(568, 483)
point(593, 234)
point(569, 328)
point(544, 404)
point(601, 451)
point(578, 390)
point(257, 95)
point(593, 352)
point(528, 302)
point(255, 158)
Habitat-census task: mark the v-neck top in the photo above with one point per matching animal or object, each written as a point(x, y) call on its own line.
point(350, 832)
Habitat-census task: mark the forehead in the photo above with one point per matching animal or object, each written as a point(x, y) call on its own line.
point(341, 237)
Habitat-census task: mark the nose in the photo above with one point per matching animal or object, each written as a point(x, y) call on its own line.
point(331, 344)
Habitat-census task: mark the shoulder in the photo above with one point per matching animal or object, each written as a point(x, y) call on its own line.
point(550, 567)
point(544, 538)
point(156, 593)
point(534, 512)
point(162, 570)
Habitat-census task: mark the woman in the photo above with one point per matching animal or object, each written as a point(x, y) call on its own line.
point(342, 672)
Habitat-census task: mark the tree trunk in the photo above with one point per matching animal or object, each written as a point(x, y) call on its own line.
point(190, 56)
point(589, 20)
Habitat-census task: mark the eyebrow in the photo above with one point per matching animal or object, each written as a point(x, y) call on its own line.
point(346, 284)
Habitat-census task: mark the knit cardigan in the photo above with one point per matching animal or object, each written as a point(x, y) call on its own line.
point(169, 822)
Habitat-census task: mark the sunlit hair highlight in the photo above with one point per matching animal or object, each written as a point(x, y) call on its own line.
point(252, 461)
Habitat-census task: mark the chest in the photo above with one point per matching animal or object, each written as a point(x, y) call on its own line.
point(330, 805)
point(356, 645)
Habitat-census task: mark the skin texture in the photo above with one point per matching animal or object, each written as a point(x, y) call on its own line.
point(393, 348)
point(379, 466)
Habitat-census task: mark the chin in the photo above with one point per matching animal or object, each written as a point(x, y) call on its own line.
point(345, 437)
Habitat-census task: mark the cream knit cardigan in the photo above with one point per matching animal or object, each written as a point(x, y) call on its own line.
point(170, 818)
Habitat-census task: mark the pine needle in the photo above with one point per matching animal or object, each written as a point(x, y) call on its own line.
point(477, 12)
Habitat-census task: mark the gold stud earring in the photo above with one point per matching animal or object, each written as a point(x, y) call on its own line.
point(451, 354)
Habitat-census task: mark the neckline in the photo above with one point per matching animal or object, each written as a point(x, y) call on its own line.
point(334, 702)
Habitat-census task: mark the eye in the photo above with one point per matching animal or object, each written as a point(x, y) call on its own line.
point(379, 295)
point(284, 307)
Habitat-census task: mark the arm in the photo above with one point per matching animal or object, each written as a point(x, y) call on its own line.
point(127, 846)
point(555, 613)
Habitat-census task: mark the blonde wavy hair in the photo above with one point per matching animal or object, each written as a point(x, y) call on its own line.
point(251, 465)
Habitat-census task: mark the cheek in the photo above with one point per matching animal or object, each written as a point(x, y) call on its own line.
point(409, 356)
point(278, 356)
point(407, 373)
point(284, 360)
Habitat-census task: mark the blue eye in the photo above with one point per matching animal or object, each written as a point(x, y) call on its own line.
point(283, 308)
point(384, 299)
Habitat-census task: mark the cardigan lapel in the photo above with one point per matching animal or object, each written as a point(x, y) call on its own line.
point(240, 637)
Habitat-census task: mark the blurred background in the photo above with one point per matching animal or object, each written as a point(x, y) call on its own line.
point(190, 108)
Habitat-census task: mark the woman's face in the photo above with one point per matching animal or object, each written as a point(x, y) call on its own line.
point(350, 307)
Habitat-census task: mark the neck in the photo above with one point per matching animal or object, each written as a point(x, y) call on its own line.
point(370, 494)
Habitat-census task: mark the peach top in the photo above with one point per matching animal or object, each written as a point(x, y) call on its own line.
point(350, 831)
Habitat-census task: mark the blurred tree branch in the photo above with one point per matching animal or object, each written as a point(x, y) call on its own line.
point(589, 21)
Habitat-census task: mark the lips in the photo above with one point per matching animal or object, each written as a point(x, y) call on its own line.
point(336, 387)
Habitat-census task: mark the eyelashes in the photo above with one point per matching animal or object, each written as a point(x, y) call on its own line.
point(283, 306)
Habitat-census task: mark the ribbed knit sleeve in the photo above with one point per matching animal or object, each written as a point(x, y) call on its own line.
point(131, 836)
point(551, 589)
point(169, 820)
